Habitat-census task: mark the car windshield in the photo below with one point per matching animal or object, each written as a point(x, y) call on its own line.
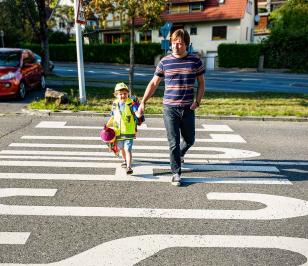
point(10, 59)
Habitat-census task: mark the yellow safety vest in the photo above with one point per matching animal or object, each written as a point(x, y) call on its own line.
point(124, 123)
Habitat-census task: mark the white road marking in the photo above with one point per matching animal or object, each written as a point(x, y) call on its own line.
point(13, 238)
point(297, 163)
point(133, 178)
point(143, 169)
point(96, 146)
point(217, 128)
point(277, 207)
point(217, 138)
point(62, 125)
point(131, 250)
point(221, 153)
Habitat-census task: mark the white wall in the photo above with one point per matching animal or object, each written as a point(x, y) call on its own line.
point(202, 42)
point(247, 22)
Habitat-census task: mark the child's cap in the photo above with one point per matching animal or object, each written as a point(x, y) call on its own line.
point(120, 86)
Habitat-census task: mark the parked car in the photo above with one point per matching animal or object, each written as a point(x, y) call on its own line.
point(19, 72)
point(51, 65)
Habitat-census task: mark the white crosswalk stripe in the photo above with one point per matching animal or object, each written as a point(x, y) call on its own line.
point(201, 158)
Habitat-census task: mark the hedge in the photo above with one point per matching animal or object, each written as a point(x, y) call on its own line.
point(239, 55)
point(105, 53)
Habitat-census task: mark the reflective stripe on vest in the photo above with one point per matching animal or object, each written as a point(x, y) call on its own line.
point(124, 122)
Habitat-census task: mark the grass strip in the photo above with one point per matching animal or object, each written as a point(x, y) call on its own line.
point(213, 103)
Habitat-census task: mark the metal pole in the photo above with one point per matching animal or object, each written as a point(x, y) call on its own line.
point(80, 66)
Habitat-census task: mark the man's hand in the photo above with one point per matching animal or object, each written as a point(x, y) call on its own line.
point(194, 106)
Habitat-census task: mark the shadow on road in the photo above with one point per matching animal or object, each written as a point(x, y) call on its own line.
point(13, 105)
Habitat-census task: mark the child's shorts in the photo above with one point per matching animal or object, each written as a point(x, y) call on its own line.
point(126, 144)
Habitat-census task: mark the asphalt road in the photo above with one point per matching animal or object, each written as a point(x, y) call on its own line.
point(226, 81)
point(66, 201)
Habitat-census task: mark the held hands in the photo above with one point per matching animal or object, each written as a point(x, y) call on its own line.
point(140, 110)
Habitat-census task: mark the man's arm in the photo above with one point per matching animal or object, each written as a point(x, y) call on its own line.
point(152, 86)
point(200, 92)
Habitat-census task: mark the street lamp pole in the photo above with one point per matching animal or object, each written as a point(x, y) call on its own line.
point(2, 35)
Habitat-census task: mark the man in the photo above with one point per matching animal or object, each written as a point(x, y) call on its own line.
point(180, 70)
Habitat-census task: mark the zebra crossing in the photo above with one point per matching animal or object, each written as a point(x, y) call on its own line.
point(78, 152)
point(147, 158)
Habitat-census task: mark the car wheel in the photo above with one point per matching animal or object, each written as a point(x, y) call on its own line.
point(43, 83)
point(21, 91)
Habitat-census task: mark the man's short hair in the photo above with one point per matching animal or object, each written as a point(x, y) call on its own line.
point(181, 34)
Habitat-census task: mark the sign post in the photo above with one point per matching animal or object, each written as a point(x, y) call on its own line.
point(80, 19)
point(164, 30)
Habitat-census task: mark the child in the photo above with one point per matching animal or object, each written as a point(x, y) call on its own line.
point(123, 121)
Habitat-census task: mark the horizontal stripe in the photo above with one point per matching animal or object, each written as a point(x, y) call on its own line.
point(160, 179)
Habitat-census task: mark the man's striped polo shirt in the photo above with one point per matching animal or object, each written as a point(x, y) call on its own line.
point(180, 76)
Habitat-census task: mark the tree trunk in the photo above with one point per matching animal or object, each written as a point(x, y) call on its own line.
point(43, 34)
point(131, 56)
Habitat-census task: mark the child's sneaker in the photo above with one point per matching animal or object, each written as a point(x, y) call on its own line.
point(129, 170)
point(124, 164)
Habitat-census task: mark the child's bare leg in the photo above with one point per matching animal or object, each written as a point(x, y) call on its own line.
point(129, 158)
point(123, 154)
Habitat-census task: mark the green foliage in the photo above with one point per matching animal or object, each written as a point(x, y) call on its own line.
point(107, 53)
point(291, 18)
point(287, 44)
point(58, 37)
point(239, 55)
point(148, 10)
point(12, 21)
point(214, 103)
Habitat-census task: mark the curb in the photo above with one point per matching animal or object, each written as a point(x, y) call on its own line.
point(210, 117)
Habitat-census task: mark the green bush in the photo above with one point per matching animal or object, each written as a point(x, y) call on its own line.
point(239, 55)
point(105, 53)
point(287, 51)
point(58, 37)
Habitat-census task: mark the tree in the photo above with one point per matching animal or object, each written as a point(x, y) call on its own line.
point(290, 18)
point(36, 12)
point(129, 11)
point(287, 44)
point(12, 21)
point(65, 15)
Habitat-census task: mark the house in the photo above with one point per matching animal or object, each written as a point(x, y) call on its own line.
point(209, 22)
point(264, 8)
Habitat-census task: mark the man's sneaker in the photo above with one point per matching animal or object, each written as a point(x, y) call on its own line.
point(182, 159)
point(176, 180)
point(124, 164)
point(129, 170)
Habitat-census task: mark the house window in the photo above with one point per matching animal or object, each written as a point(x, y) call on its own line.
point(195, 7)
point(146, 36)
point(174, 9)
point(246, 33)
point(61, 25)
point(251, 35)
point(193, 31)
point(219, 33)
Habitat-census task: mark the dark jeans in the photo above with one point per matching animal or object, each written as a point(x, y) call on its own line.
point(179, 121)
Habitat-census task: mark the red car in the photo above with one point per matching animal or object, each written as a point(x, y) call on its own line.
point(19, 72)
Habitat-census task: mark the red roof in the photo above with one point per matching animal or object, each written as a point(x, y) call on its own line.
point(231, 9)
